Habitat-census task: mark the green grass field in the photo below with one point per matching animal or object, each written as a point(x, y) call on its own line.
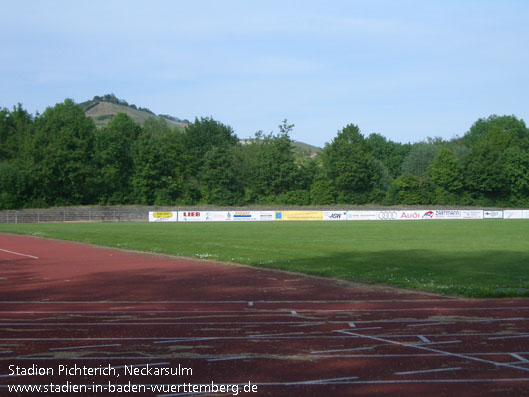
point(483, 258)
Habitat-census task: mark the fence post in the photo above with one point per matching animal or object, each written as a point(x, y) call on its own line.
point(16, 217)
point(38, 216)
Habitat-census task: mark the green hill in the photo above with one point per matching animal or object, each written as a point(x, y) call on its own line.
point(305, 149)
point(102, 109)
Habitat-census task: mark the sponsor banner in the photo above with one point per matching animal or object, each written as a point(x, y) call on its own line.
point(446, 214)
point(512, 214)
point(204, 216)
point(415, 215)
point(299, 215)
point(246, 215)
point(472, 214)
point(388, 215)
point(163, 216)
point(525, 214)
point(362, 215)
point(493, 214)
point(335, 215)
point(191, 216)
point(267, 215)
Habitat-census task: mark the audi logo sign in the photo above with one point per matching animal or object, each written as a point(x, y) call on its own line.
point(387, 215)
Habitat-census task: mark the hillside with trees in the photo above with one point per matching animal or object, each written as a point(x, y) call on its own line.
point(60, 157)
point(101, 109)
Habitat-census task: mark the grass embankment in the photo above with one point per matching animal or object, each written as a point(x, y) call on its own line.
point(487, 258)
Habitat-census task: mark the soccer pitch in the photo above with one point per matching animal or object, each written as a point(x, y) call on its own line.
point(481, 258)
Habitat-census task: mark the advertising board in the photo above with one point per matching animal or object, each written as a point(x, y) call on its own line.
point(415, 215)
point(334, 215)
point(298, 215)
point(497, 214)
point(512, 214)
point(163, 216)
point(472, 214)
point(362, 215)
point(266, 215)
point(246, 215)
point(204, 216)
point(447, 214)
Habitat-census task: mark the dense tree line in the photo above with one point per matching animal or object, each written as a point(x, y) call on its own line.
point(61, 158)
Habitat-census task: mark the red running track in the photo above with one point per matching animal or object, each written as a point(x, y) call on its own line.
point(98, 318)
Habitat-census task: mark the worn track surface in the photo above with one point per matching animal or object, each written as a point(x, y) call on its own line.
point(69, 305)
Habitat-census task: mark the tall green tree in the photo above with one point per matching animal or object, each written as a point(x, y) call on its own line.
point(114, 158)
point(201, 136)
point(161, 172)
point(446, 176)
point(420, 156)
point(348, 163)
point(220, 181)
point(62, 154)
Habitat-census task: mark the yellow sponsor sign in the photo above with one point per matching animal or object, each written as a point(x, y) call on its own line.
point(162, 214)
point(299, 216)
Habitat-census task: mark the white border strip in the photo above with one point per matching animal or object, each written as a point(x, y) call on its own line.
point(18, 253)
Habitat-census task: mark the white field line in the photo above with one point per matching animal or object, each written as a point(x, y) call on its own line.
point(343, 350)
point(48, 324)
point(519, 358)
point(257, 311)
point(426, 371)
point(166, 339)
point(429, 324)
point(20, 254)
point(355, 356)
point(438, 343)
point(509, 337)
point(438, 351)
point(228, 358)
point(245, 302)
point(83, 347)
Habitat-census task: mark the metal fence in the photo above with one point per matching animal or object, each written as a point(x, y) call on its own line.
point(74, 215)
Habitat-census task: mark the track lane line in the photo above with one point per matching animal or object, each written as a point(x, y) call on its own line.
point(20, 254)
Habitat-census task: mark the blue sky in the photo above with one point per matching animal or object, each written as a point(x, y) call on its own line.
point(405, 69)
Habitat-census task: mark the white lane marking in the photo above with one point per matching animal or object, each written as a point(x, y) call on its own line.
point(196, 339)
point(429, 324)
point(438, 343)
point(83, 347)
point(171, 323)
point(423, 338)
point(343, 350)
point(228, 358)
point(280, 301)
point(427, 371)
point(91, 358)
point(520, 358)
point(437, 351)
point(18, 253)
point(367, 328)
point(509, 337)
